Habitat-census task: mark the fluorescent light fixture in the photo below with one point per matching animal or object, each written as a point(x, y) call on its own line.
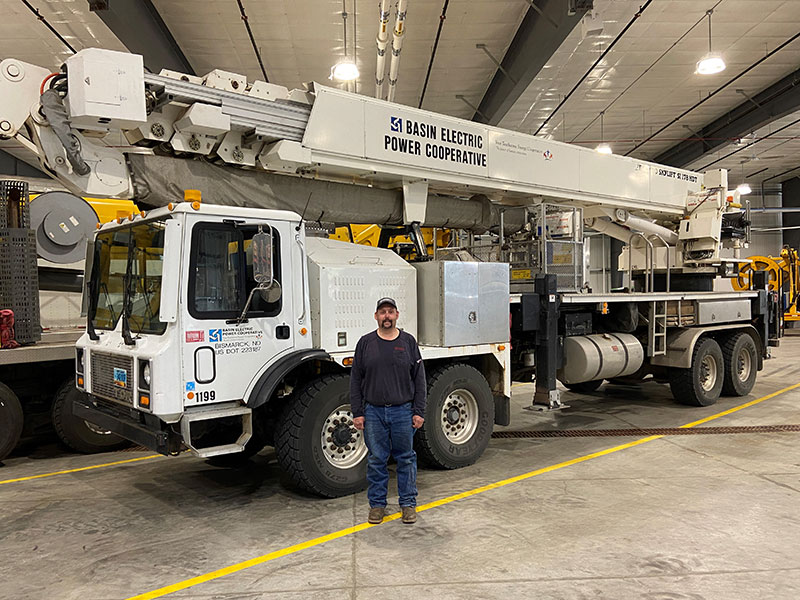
point(744, 189)
point(604, 149)
point(710, 64)
point(344, 71)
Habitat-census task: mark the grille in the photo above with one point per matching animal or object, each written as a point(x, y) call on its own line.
point(103, 384)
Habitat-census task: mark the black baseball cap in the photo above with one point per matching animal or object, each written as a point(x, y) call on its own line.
point(386, 300)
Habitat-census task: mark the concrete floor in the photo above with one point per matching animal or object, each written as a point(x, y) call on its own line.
point(682, 517)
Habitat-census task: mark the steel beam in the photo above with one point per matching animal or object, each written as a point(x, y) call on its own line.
point(778, 100)
point(539, 35)
point(138, 25)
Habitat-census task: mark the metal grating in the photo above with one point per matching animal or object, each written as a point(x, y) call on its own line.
point(19, 282)
point(647, 431)
point(102, 382)
point(15, 209)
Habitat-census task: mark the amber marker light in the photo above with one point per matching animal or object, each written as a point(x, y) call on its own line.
point(501, 347)
point(170, 206)
point(190, 395)
point(348, 362)
point(303, 331)
point(144, 401)
point(80, 381)
point(192, 196)
point(196, 205)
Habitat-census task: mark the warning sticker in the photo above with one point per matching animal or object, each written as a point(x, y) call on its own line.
point(195, 336)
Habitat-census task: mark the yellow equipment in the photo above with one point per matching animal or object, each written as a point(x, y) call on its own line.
point(370, 235)
point(783, 276)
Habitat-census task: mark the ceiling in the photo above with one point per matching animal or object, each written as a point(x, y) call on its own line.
point(641, 85)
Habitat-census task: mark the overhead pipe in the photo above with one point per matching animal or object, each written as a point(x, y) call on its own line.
point(397, 46)
point(382, 42)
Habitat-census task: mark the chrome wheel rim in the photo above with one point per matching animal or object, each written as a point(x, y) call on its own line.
point(342, 444)
point(708, 373)
point(744, 365)
point(459, 417)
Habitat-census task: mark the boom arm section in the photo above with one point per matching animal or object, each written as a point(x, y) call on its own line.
point(321, 132)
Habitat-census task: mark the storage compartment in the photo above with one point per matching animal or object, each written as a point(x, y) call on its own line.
point(462, 303)
point(345, 281)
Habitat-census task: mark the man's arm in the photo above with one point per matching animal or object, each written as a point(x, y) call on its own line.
point(356, 377)
point(420, 383)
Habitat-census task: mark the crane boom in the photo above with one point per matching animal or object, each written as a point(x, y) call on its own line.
point(321, 132)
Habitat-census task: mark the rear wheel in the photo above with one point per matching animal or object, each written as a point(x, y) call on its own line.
point(741, 364)
point(701, 384)
point(585, 387)
point(316, 442)
point(76, 433)
point(11, 420)
point(458, 419)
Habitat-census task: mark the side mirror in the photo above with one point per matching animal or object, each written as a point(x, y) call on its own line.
point(262, 258)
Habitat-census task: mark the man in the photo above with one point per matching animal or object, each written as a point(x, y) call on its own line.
point(387, 396)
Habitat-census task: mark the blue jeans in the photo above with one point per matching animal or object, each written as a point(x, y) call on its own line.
point(388, 430)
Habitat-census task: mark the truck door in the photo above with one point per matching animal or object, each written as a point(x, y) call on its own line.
point(222, 352)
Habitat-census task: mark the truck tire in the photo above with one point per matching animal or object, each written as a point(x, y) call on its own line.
point(585, 387)
point(701, 384)
point(11, 420)
point(741, 364)
point(458, 418)
point(316, 443)
point(76, 433)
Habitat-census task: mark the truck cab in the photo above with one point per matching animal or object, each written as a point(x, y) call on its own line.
point(169, 333)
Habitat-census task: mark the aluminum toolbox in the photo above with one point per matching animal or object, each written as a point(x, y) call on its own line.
point(462, 303)
point(344, 283)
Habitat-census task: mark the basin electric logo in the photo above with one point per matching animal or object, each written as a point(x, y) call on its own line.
point(215, 335)
point(396, 124)
point(547, 155)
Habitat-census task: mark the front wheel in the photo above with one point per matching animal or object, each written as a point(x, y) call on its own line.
point(316, 442)
point(701, 384)
point(76, 433)
point(458, 419)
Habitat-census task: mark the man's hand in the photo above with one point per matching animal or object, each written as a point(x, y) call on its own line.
point(358, 423)
point(417, 421)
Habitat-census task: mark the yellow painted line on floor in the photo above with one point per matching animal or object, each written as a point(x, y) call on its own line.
point(260, 560)
point(54, 473)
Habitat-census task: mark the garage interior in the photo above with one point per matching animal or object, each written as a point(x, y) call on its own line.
point(620, 492)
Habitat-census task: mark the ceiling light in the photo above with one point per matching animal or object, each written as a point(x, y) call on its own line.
point(711, 63)
point(344, 71)
point(603, 148)
point(743, 189)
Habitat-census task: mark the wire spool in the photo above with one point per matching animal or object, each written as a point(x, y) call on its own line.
point(63, 223)
point(743, 280)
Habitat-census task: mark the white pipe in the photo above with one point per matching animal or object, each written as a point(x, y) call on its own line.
point(382, 41)
point(397, 46)
point(604, 225)
point(647, 226)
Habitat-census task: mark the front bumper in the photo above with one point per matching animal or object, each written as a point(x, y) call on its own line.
point(141, 428)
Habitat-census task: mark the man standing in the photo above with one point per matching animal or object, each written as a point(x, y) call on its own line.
point(387, 397)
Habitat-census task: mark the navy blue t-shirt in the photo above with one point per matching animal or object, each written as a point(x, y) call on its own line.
point(387, 372)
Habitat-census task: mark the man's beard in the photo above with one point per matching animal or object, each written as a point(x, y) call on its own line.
point(387, 323)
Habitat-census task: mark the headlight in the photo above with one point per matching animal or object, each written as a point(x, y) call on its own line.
point(81, 360)
point(146, 374)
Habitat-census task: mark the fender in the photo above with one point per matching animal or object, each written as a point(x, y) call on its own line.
point(681, 343)
point(270, 379)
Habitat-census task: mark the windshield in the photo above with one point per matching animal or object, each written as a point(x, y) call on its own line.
point(127, 268)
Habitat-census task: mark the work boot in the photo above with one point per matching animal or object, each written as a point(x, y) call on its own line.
point(409, 514)
point(376, 514)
